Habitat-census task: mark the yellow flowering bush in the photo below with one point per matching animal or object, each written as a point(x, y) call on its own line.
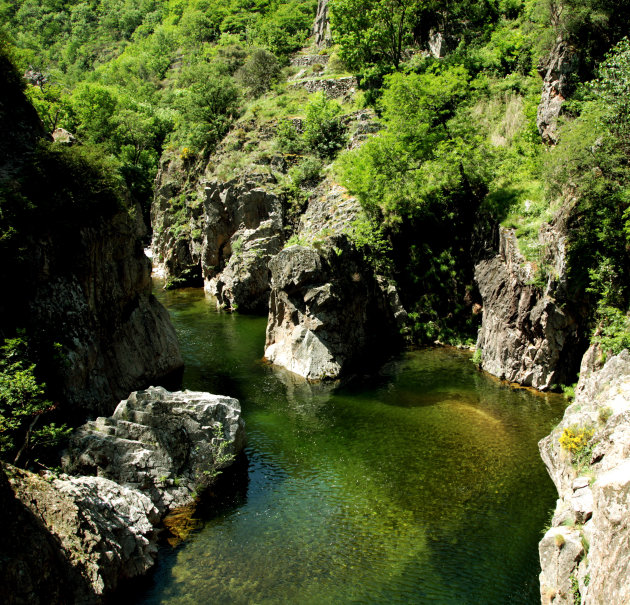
point(575, 440)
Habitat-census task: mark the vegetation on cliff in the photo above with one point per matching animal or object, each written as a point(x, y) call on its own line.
point(455, 86)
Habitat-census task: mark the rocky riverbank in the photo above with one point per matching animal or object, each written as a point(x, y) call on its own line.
point(585, 554)
point(97, 523)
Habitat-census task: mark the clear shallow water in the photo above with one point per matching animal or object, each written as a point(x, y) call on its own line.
point(421, 484)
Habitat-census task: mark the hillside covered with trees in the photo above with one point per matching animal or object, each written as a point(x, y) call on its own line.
point(456, 87)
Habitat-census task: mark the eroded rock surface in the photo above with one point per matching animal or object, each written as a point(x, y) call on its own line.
point(557, 71)
point(327, 310)
point(84, 534)
point(167, 445)
point(116, 336)
point(527, 334)
point(243, 229)
point(591, 559)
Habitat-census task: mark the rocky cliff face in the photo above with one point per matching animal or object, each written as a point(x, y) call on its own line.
point(222, 239)
point(243, 230)
point(328, 311)
point(73, 260)
point(96, 298)
point(585, 555)
point(321, 28)
point(556, 70)
point(528, 333)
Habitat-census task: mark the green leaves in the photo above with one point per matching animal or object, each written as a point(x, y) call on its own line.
point(23, 402)
point(373, 32)
point(324, 134)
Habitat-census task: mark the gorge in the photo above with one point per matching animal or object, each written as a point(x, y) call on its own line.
point(376, 198)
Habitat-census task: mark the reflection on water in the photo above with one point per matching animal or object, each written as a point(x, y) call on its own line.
point(420, 484)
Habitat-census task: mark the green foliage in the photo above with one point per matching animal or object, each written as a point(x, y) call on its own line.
point(612, 89)
point(287, 139)
point(591, 162)
point(324, 133)
point(259, 72)
point(612, 331)
point(477, 357)
point(374, 32)
point(577, 441)
point(370, 238)
point(24, 405)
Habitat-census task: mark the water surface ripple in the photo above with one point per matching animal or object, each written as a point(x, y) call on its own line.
point(420, 484)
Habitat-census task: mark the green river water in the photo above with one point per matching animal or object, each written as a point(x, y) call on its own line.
point(418, 484)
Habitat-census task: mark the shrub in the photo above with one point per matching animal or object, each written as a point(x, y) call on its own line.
point(324, 134)
point(260, 71)
point(23, 404)
point(287, 138)
point(575, 440)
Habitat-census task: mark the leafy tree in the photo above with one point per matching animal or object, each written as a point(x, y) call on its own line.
point(612, 88)
point(94, 106)
point(260, 71)
point(53, 106)
point(324, 134)
point(373, 32)
point(207, 100)
point(23, 405)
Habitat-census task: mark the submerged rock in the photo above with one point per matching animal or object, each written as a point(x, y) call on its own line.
point(593, 483)
point(167, 445)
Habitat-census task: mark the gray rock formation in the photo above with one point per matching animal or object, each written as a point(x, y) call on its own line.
point(176, 220)
point(557, 71)
point(527, 335)
point(590, 561)
point(167, 445)
point(308, 60)
point(83, 534)
point(321, 28)
point(327, 311)
point(88, 533)
point(335, 88)
point(243, 229)
point(116, 336)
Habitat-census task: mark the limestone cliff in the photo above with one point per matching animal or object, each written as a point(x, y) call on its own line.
point(585, 555)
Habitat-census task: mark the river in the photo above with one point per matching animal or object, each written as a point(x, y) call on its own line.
point(421, 483)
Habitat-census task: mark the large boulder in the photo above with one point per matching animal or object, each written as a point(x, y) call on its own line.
point(593, 510)
point(169, 446)
point(74, 538)
point(327, 311)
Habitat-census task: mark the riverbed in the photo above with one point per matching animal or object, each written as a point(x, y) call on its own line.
point(418, 483)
